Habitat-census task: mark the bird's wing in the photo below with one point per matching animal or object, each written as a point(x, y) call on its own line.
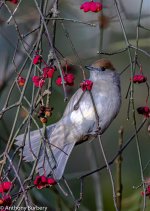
point(74, 99)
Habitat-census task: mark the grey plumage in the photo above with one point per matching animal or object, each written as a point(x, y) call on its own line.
point(75, 125)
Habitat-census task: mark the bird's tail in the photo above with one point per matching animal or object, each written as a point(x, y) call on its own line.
point(50, 159)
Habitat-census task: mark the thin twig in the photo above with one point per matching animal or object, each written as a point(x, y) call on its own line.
point(119, 172)
point(71, 20)
point(110, 173)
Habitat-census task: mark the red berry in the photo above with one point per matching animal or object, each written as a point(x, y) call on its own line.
point(37, 180)
point(69, 78)
point(85, 6)
point(48, 72)
point(43, 179)
point(7, 186)
point(86, 85)
point(40, 182)
point(48, 111)
point(1, 201)
point(139, 79)
point(51, 181)
point(13, 1)
point(91, 6)
point(43, 120)
point(59, 81)
point(7, 200)
point(38, 81)
point(144, 110)
point(21, 81)
point(37, 59)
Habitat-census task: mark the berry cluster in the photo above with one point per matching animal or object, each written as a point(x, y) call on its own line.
point(38, 81)
point(68, 79)
point(13, 1)
point(37, 59)
point(44, 112)
point(6, 199)
point(48, 72)
point(91, 6)
point(42, 182)
point(5, 186)
point(140, 78)
point(147, 191)
point(21, 81)
point(86, 85)
point(144, 110)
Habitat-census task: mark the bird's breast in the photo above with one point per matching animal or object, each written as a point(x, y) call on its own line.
point(107, 103)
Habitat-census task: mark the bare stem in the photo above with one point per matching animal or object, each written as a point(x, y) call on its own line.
point(119, 172)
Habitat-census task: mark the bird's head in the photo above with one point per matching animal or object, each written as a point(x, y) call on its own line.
point(101, 65)
point(102, 68)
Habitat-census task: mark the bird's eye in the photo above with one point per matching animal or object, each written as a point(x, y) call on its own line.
point(103, 68)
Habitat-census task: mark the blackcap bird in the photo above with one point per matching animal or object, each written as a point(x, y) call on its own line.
point(77, 124)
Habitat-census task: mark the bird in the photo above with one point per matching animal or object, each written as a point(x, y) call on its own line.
point(77, 124)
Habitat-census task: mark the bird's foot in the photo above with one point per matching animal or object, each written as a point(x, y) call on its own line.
point(77, 204)
point(96, 132)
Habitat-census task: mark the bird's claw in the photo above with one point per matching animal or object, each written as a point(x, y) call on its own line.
point(77, 204)
point(96, 132)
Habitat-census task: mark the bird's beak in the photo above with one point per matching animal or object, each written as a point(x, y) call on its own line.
point(89, 67)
